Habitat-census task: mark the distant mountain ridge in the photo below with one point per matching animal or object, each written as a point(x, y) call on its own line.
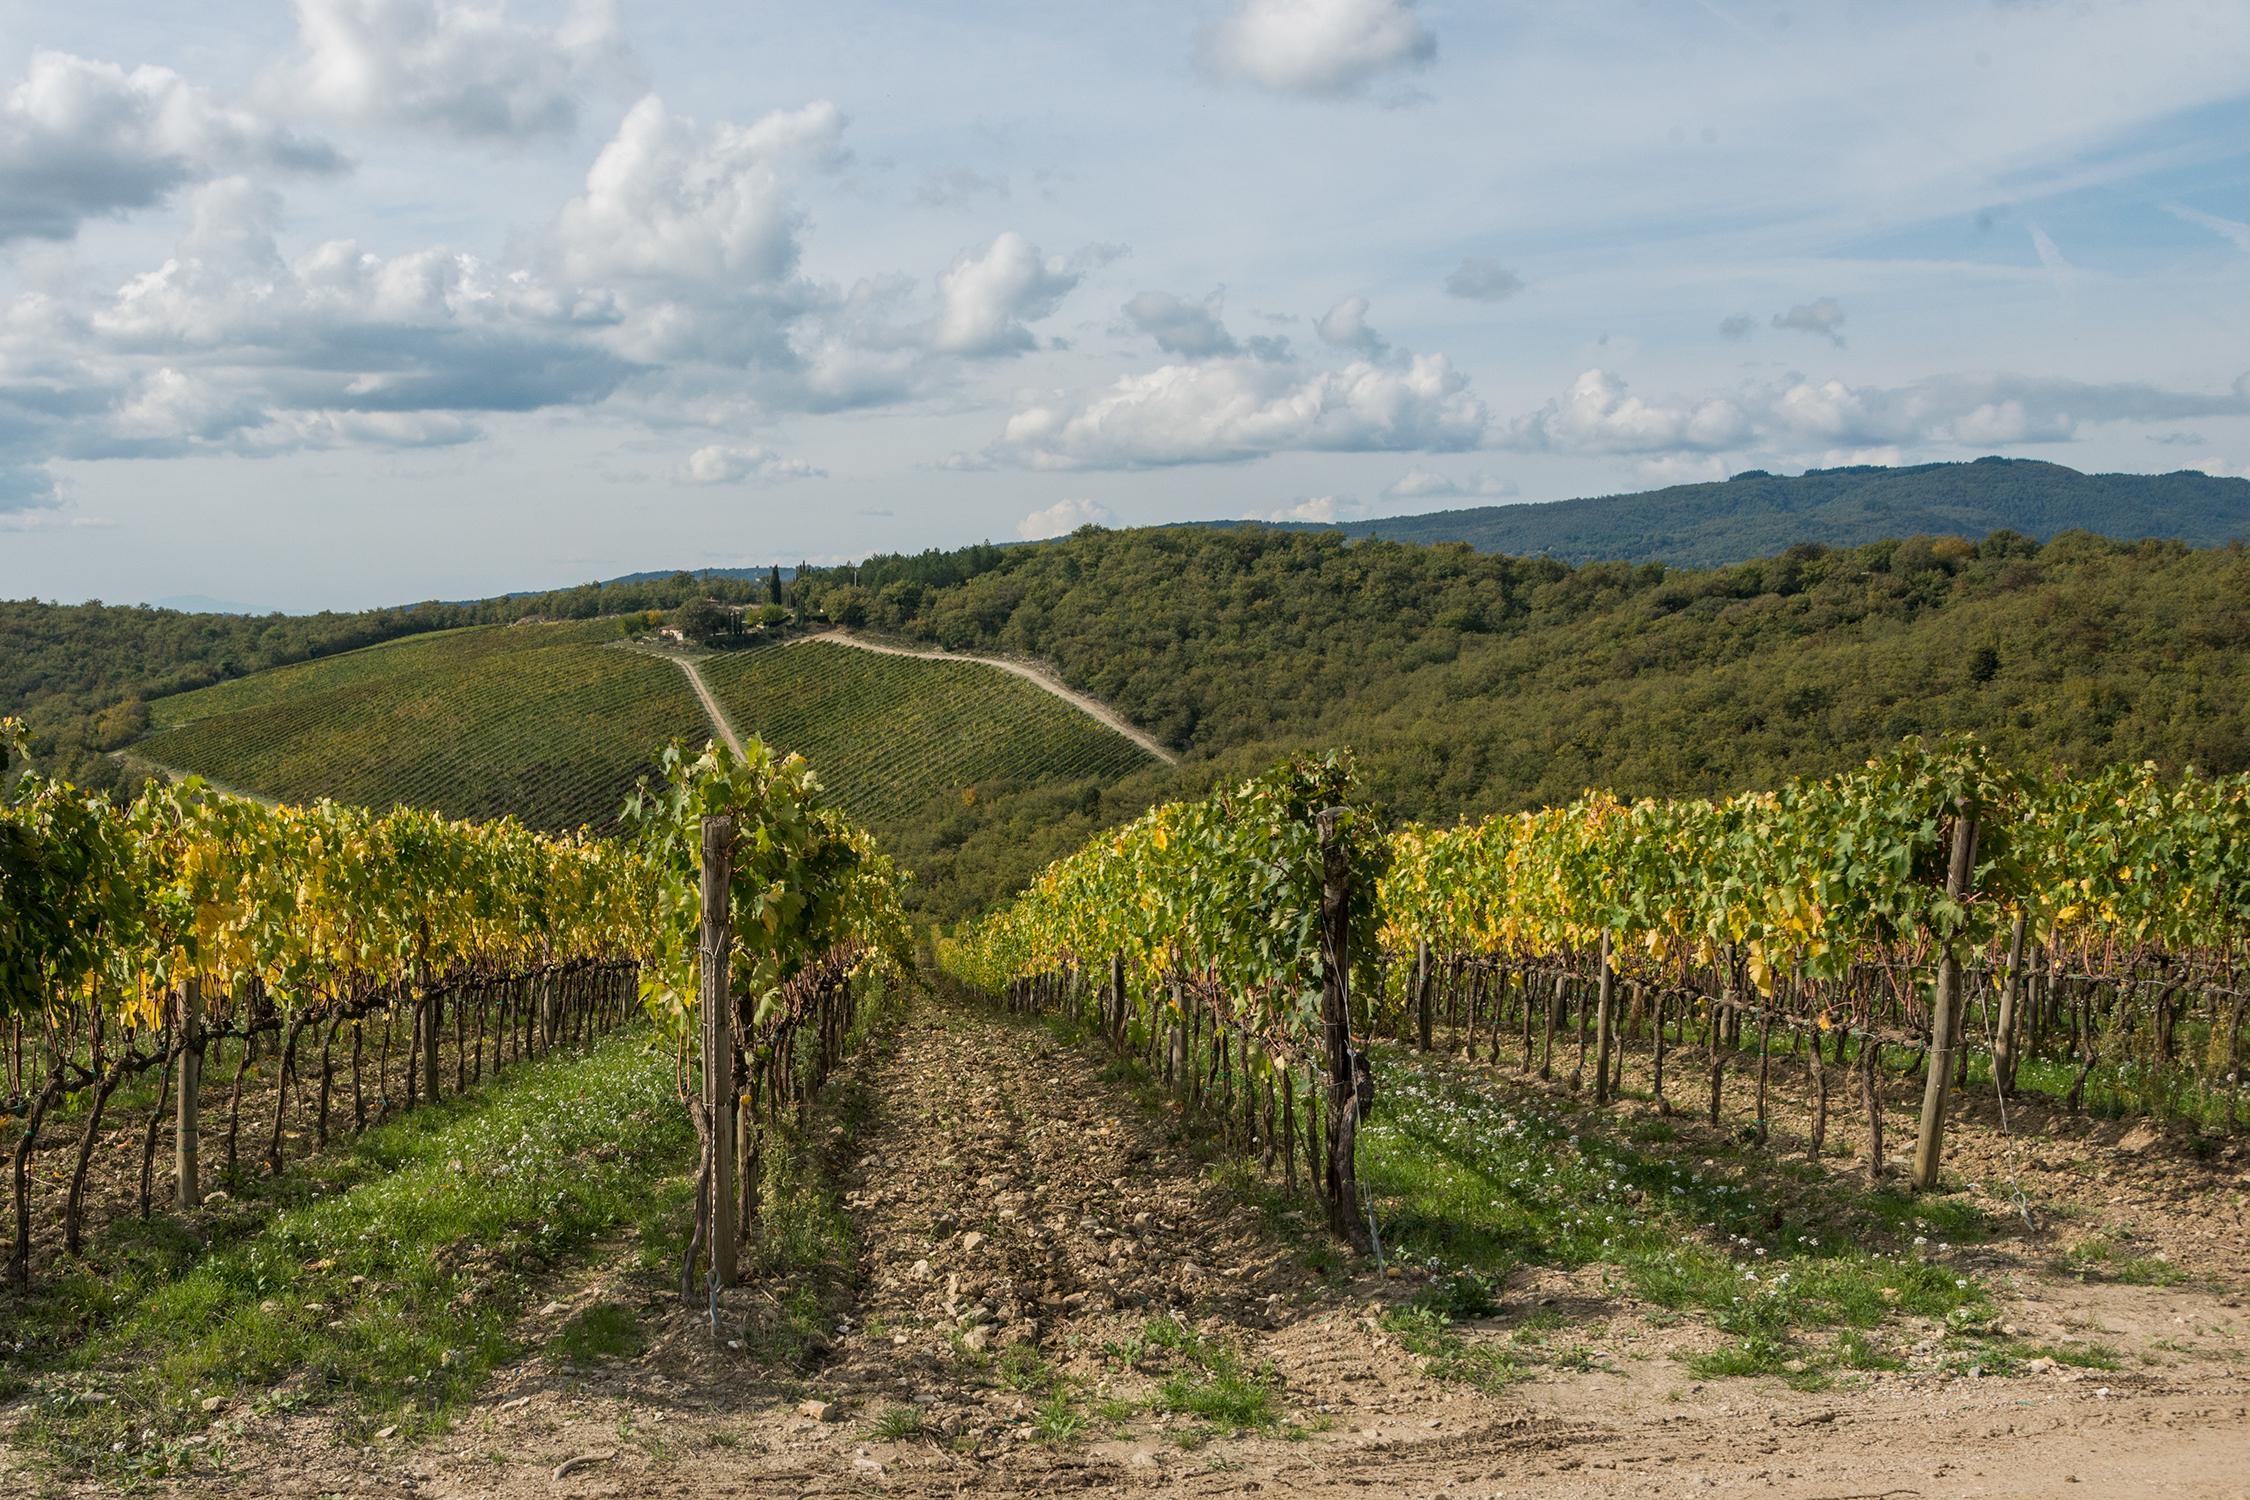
point(1757, 514)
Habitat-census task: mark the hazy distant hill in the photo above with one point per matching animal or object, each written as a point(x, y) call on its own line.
point(1759, 514)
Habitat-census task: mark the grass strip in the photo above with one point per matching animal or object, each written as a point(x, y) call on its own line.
point(1470, 1178)
point(393, 1298)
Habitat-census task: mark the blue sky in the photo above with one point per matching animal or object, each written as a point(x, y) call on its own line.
point(357, 301)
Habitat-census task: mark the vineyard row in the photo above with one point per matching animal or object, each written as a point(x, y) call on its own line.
point(165, 933)
point(2076, 932)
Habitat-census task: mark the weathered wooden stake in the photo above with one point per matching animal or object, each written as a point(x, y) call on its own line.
point(1656, 1088)
point(1117, 1000)
point(718, 1040)
point(1424, 982)
point(1929, 1143)
point(2004, 1026)
point(433, 1030)
point(1605, 1001)
point(1335, 1004)
point(187, 1181)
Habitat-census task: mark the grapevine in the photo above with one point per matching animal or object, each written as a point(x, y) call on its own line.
point(146, 935)
point(2103, 916)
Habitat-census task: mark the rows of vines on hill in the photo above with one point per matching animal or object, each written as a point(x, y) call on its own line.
point(973, 776)
point(84, 676)
point(892, 733)
point(2100, 921)
point(541, 722)
point(188, 926)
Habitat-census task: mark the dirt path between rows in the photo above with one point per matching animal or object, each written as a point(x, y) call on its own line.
point(711, 709)
point(1021, 1224)
point(1040, 677)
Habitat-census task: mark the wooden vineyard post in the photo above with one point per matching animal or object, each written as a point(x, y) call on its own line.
point(718, 1041)
point(1656, 1087)
point(1929, 1142)
point(433, 1010)
point(1117, 999)
point(2004, 1028)
point(1342, 1177)
point(1605, 1004)
point(1554, 1017)
point(187, 1186)
point(1175, 1032)
point(1422, 987)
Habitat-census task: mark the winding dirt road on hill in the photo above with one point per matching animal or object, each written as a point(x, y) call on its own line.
point(1040, 677)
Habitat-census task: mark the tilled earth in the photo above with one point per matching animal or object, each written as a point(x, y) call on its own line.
point(1025, 1228)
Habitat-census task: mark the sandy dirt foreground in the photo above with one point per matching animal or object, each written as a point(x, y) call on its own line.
point(1096, 1224)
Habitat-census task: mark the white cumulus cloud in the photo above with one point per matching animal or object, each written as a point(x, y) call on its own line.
point(1483, 281)
point(1190, 330)
point(25, 489)
point(230, 343)
point(988, 295)
point(1062, 518)
point(1598, 414)
point(2222, 468)
point(1345, 326)
point(1682, 468)
point(1421, 483)
point(462, 68)
point(82, 140)
point(669, 199)
point(1320, 48)
point(1320, 510)
point(718, 463)
point(1823, 318)
point(1884, 456)
point(1214, 411)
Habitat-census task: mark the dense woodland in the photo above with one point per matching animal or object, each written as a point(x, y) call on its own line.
point(1473, 682)
point(1757, 514)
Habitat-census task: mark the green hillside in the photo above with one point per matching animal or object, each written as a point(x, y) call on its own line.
point(1467, 681)
point(543, 721)
point(83, 675)
point(1472, 681)
point(933, 753)
point(1758, 514)
point(554, 723)
point(890, 734)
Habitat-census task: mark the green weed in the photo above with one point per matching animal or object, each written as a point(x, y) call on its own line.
point(895, 1424)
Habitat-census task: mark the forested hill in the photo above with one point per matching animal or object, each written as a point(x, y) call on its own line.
point(1758, 514)
point(1472, 681)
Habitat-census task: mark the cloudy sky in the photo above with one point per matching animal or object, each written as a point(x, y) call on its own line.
point(359, 301)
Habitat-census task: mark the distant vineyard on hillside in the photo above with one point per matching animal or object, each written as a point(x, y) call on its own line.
point(889, 734)
point(542, 721)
